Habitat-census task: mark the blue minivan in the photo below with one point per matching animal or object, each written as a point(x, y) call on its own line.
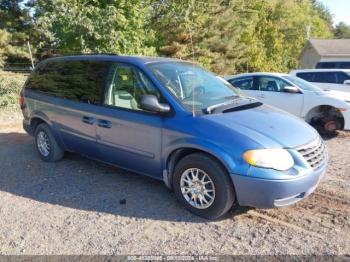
point(173, 121)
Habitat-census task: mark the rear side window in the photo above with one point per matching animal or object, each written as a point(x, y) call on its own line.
point(80, 81)
point(325, 77)
point(319, 77)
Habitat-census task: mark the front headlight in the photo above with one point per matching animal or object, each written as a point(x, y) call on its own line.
point(279, 159)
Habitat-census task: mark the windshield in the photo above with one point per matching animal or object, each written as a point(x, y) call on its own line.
point(193, 86)
point(304, 85)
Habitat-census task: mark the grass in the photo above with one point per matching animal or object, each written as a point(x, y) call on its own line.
point(10, 87)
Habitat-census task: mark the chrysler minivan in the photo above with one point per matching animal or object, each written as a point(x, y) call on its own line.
point(173, 121)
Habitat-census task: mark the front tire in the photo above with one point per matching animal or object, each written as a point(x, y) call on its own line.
point(46, 144)
point(203, 186)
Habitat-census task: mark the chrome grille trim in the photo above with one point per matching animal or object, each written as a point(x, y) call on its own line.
point(314, 153)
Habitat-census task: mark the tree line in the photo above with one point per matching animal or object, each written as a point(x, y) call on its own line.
point(225, 36)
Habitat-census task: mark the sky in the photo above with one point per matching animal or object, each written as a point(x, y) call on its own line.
point(340, 10)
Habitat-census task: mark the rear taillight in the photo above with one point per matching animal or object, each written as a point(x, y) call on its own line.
point(21, 101)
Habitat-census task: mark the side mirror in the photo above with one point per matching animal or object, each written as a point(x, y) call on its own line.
point(151, 103)
point(291, 89)
point(347, 82)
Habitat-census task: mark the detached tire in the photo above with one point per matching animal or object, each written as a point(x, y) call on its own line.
point(46, 144)
point(203, 186)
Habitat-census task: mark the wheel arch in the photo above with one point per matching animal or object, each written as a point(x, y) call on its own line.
point(322, 110)
point(175, 155)
point(35, 122)
point(41, 118)
point(38, 118)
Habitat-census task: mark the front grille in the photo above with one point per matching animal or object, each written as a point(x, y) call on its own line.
point(314, 153)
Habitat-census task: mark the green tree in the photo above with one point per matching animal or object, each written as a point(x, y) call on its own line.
point(231, 36)
point(4, 42)
point(342, 30)
point(178, 26)
point(323, 12)
point(16, 26)
point(109, 26)
point(276, 32)
point(221, 43)
point(14, 17)
point(226, 36)
point(204, 31)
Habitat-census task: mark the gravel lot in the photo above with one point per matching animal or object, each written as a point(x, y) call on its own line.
point(73, 207)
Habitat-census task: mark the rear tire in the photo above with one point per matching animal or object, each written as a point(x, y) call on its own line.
point(48, 148)
point(202, 185)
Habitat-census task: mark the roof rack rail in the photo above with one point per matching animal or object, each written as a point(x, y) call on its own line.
point(82, 54)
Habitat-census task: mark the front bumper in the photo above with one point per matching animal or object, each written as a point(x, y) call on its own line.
point(268, 193)
point(346, 116)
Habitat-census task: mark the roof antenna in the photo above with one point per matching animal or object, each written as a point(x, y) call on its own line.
point(30, 54)
point(192, 48)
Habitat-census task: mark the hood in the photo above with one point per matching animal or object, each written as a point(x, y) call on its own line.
point(344, 96)
point(267, 126)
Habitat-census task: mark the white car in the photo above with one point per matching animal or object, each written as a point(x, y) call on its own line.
point(326, 79)
point(327, 111)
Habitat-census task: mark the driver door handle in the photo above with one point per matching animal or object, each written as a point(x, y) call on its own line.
point(88, 120)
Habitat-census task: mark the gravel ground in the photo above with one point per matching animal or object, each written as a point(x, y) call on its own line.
point(74, 207)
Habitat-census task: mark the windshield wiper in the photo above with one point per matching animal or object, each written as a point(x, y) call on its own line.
point(212, 108)
point(226, 106)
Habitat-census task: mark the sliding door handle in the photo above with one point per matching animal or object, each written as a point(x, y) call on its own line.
point(88, 120)
point(104, 123)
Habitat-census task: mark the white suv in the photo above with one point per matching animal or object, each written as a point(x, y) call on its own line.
point(326, 79)
point(327, 111)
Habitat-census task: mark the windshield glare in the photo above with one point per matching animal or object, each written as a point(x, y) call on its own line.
point(301, 83)
point(193, 86)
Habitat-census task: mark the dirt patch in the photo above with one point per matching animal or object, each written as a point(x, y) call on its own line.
point(76, 206)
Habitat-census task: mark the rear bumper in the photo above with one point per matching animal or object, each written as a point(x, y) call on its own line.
point(265, 193)
point(27, 127)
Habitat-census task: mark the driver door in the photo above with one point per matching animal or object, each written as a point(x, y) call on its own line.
point(272, 93)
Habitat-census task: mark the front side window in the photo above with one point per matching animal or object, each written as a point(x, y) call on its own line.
point(127, 85)
point(246, 83)
point(325, 77)
point(271, 84)
point(304, 85)
point(342, 77)
point(344, 65)
point(195, 88)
